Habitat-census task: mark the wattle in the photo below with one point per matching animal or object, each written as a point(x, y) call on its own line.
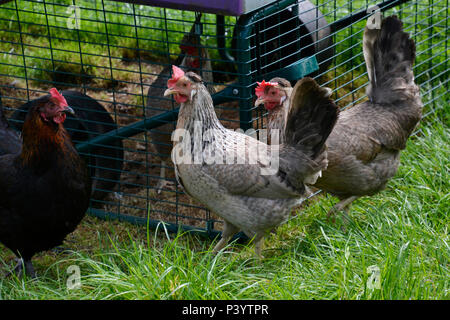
point(59, 118)
point(269, 105)
point(179, 98)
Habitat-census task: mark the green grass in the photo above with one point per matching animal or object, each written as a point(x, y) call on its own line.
point(402, 231)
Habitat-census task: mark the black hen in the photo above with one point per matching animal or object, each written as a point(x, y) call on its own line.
point(90, 120)
point(45, 187)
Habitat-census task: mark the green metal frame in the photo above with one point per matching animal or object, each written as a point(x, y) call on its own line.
point(242, 90)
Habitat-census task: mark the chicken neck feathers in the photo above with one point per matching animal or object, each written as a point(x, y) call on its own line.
point(157, 104)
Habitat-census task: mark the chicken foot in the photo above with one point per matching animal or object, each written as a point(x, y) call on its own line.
point(228, 232)
point(19, 268)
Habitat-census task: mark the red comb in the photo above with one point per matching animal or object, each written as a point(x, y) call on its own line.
point(56, 95)
point(259, 90)
point(177, 73)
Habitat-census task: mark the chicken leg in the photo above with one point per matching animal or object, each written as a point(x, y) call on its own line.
point(228, 231)
point(258, 247)
point(343, 206)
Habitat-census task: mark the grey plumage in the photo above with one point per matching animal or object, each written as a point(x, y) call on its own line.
point(364, 146)
point(276, 118)
point(240, 192)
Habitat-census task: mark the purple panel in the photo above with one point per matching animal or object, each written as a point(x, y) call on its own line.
point(224, 7)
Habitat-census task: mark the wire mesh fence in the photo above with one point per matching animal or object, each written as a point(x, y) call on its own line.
point(120, 53)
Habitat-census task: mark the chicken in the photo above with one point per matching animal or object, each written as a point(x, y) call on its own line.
point(193, 58)
point(90, 120)
point(364, 147)
point(236, 176)
point(45, 187)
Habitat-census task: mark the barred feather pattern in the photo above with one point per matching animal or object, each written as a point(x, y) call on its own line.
point(244, 197)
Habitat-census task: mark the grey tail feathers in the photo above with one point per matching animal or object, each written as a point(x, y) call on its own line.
point(389, 54)
point(311, 118)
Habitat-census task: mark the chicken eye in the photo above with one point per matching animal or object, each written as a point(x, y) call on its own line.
point(185, 85)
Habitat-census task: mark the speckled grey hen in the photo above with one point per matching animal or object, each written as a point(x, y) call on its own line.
point(252, 187)
point(364, 147)
point(194, 58)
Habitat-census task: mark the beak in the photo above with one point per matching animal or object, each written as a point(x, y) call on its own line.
point(68, 109)
point(169, 91)
point(259, 101)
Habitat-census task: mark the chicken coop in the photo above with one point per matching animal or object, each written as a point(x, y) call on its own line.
point(119, 53)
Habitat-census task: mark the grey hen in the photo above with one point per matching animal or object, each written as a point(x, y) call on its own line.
point(252, 187)
point(364, 147)
point(193, 57)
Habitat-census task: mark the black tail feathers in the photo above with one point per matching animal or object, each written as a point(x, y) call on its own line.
point(311, 118)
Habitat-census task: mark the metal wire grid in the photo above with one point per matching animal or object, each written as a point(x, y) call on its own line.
point(118, 49)
point(426, 21)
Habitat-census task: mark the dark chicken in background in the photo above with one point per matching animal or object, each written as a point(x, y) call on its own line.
point(10, 141)
point(90, 120)
point(193, 57)
point(364, 147)
point(244, 191)
point(44, 185)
